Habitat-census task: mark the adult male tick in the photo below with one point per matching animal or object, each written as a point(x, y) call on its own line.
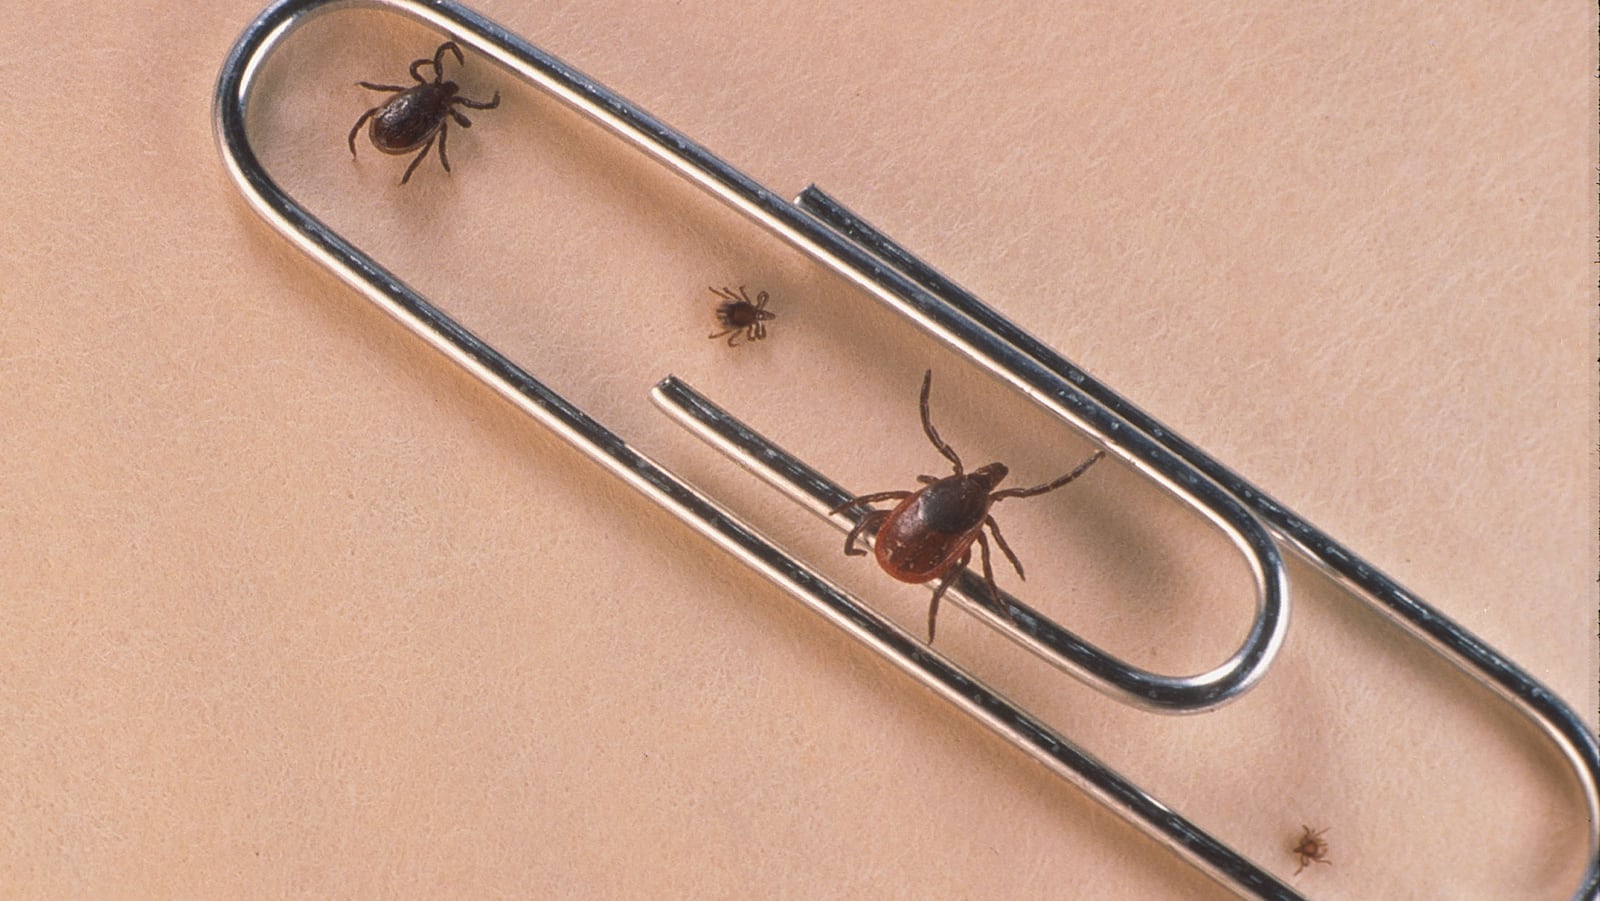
point(739, 315)
point(420, 113)
point(929, 534)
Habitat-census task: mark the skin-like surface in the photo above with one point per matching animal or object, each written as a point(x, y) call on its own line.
point(291, 607)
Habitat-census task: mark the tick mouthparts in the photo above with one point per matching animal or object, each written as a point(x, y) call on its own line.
point(991, 475)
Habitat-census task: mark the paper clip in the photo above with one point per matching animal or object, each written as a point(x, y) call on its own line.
point(833, 236)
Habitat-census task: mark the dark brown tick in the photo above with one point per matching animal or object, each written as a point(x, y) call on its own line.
point(739, 315)
point(929, 534)
point(1312, 848)
point(418, 114)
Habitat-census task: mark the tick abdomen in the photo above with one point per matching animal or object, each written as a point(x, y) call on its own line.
point(930, 531)
point(738, 314)
point(410, 119)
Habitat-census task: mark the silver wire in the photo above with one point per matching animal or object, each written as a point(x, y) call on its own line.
point(1379, 591)
point(953, 317)
point(1024, 625)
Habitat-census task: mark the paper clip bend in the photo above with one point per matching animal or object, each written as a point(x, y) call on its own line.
point(846, 244)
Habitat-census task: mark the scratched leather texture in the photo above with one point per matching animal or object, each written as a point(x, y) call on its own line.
point(292, 606)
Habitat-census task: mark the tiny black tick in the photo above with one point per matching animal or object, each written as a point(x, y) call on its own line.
point(418, 114)
point(739, 315)
point(929, 534)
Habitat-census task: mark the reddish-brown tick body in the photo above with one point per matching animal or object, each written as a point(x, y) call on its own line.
point(740, 316)
point(929, 534)
point(419, 114)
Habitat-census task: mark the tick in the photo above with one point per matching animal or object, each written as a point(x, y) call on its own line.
point(929, 534)
point(739, 315)
point(1312, 848)
point(419, 114)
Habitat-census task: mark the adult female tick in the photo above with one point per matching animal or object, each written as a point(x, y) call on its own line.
point(418, 114)
point(739, 315)
point(929, 534)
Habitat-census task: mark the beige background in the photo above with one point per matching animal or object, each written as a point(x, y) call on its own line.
point(291, 606)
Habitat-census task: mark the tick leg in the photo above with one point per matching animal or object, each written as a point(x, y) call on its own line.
point(988, 578)
point(444, 130)
point(724, 293)
point(1049, 486)
point(1000, 540)
point(869, 523)
point(392, 88)
point(720, 334)
point(478, 104)
point(928, 429)
point(761, 303)
point(438, 56)
point(871, 498)
point(1307, 860)
point(360, 122)
point(437, 62)
point(949, 579)
point(416, 162)
point(461, 120)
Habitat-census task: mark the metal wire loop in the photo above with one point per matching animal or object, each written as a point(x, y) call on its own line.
point(846, 244)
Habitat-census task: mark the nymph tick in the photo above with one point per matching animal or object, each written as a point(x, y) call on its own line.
point(739, 315)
